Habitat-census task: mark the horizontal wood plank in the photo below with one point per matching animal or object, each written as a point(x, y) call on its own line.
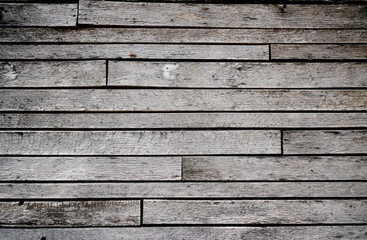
point(35, 14)
point(139, 142)
point(325, 142)
point(237, 75)
point(53, 74)
point(254, 212)
point(64, 214)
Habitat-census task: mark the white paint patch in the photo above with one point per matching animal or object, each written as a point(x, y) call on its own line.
point(167, 71)
point(9, 71)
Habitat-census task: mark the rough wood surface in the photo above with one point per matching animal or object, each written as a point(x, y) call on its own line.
point(35, 14)
point(52, 74)
point(181, 100)
point(89, 168)
point(254, 212)
point(321, 52)
point(134, 51)
point(239, 16)
point(325, 142)
point(237, 75)
point(181, 120)
point(275, 168)
point(79, 213)
point(187, 190)
point(139, 142)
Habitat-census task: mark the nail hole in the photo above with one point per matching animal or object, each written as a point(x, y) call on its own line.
point(20, 203)
point(43, 238)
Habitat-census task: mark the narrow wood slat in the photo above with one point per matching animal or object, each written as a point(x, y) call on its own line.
point(34, 14)
point(181, 100)
point(325, 142)
point(139, 142)
point(254, 212)
point(321, 52)
point(89, 168)
point(275, 168)
point(67, 214)
point(134, 51)
point(239, 16)
point(53, 74)
point(237, 75)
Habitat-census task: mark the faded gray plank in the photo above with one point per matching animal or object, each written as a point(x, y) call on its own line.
point(134, 51)
point(177, 35)
point(80, 213)
point(322, 52)
point(52, 74)
point(218, 15)
point(275, 168)
point(139, 142)
point(35, 14)
point(181, 100)
point(187, 190)
point(89, 168)
point(237, 75)
point(254, 212)
point(325, 142)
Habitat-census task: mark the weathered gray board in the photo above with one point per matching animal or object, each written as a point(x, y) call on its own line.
point(254, 212)
point(139, 142)
point(181, 100)
point(79, 213)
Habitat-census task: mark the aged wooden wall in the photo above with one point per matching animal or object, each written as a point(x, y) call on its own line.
point(183, 119)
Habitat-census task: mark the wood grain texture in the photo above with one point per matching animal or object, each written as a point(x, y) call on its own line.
point(275, 168)
point(254, 212)
point(187, 190)
point(239, 16)
point(139, 142)
point(53, 74)
point(237, 75)
point(89, 168)
point(181, 100)
point(63, 214)
point(319, 52)
point(34, 14)
point(134, 51)
point(325, 142)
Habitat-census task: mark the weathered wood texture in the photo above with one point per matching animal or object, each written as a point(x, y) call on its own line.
point(325, 142)
point(139, 142)
point(182, 100)
point(80, 213)
point(275, 168)
point(35, 14)
point(134, 51)
point(239, 16)
point(177, 35)
point(89, 168)
point(254, 212)
point(187, 190)
point(181, 120)
point(321, 52)
point(237, 75)
point(53, 74)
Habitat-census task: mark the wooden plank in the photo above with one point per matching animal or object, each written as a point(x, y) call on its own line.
point(62, 214)
point(181, 100)
point(274, 168)
point(177, 35)
point(325, 142)
point(53, 74)
point(187, 190)
point(51, 15)
point(237, 75)
point(90, 168)
point(134, 51)
point(139, 142)
point(221, 15)
point(254, 212)
point(319, 52)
